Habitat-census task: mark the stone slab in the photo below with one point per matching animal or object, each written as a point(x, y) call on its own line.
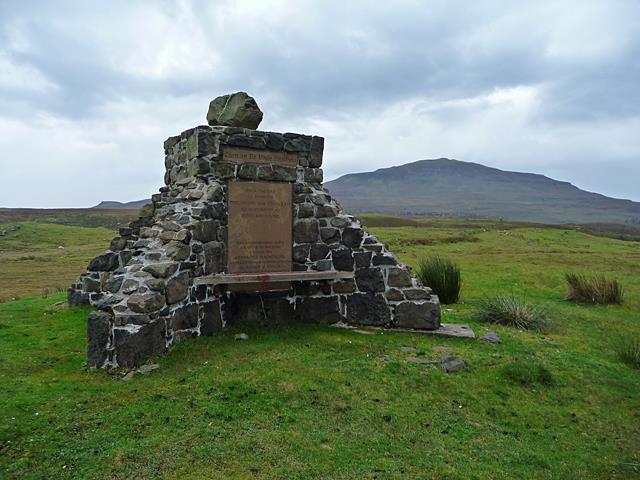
point(455, 330)
point(236, 278)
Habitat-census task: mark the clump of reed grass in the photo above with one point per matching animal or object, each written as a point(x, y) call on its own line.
point(513, 311)
point(628, 350)
point(593, 289)
point(442, 276)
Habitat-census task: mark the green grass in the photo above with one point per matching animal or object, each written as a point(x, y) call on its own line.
point(32, 262)
point(528, 373)
point(316, 402)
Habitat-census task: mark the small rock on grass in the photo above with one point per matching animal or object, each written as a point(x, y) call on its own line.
point(146, 369)
point(490, 337)
point(129, 376)
point(452, 364)
point(241, 336)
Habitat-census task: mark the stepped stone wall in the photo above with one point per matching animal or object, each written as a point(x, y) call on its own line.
point(142, 287)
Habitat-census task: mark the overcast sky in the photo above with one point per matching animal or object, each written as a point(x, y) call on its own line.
point(90, 90)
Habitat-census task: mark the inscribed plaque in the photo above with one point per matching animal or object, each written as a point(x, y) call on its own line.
point(248, 155)
point(260, 224)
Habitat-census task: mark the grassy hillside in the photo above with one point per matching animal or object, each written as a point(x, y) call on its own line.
point(79, 217)
point(302, 401)
point(453, 188)
point(32, 262)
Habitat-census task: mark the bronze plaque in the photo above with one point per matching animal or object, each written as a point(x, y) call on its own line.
point(260, 225)
point(248, 155)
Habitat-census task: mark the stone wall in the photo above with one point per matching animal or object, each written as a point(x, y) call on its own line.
point(142, 288)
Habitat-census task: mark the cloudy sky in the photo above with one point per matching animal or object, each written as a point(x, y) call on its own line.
point(90, 89)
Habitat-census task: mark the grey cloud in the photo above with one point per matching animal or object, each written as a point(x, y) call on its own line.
point(340, 65)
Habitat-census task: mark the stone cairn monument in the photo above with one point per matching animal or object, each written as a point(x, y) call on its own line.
point(243, 231)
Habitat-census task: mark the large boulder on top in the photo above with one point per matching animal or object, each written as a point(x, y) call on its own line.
point(235, 110)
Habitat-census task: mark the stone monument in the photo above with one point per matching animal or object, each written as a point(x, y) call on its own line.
point(243, 231)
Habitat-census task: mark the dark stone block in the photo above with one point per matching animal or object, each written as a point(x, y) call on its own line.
point(394, 295)
point(295, 145)
point(114, 283)
point(275, 141)
point(170, 142)
point(342, 259)
point(223, 170)
point(201, 143)
point(399, 277)
point(177, 251)
point(247, 142)
point(91, 285)
point(301, 253)
point(146, 303)
point(177, 287)
point(283, 173)
point(352, 237)
point(76, 297)
point(214, 261)
point(306, 230)
point(104, 263)
point(125, 231)
point(313, 175)
point(211, 318)
point(98, 332)
point(363, 259)
point(305, 210)
point(118, 244)
point(381, 259)
point(370, 280)
point(317, 147)
point(161, 270)
point(319, 309)
point(185, 317)
point(347, 285)
point(330, 235)
point(417, 294)
point(205, 231)
point(326, 211)
point(299, 267)
point(248, 171)
point(367, 309)
point(420, 315)
point(318, 251)
point(133, 347)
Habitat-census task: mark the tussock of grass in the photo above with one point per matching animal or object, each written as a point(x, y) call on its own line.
point(528, 373)
point(442, 276)
point(514, 312)
point(628, 351)
point(597, 289)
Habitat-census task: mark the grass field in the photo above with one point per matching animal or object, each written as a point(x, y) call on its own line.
point(32, 261)
point(303, 401)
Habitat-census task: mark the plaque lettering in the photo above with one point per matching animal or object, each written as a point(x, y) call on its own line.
point(248, 155)
point(260, 224)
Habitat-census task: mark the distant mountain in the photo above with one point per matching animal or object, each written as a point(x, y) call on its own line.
point(114, 204)
point(464, 189)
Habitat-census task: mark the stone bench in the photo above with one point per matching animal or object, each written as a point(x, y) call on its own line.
point(239, 278)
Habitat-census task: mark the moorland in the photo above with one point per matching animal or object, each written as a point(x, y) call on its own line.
point(312, 401)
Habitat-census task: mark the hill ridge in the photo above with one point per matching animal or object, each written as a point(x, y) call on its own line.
point(458, 188)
